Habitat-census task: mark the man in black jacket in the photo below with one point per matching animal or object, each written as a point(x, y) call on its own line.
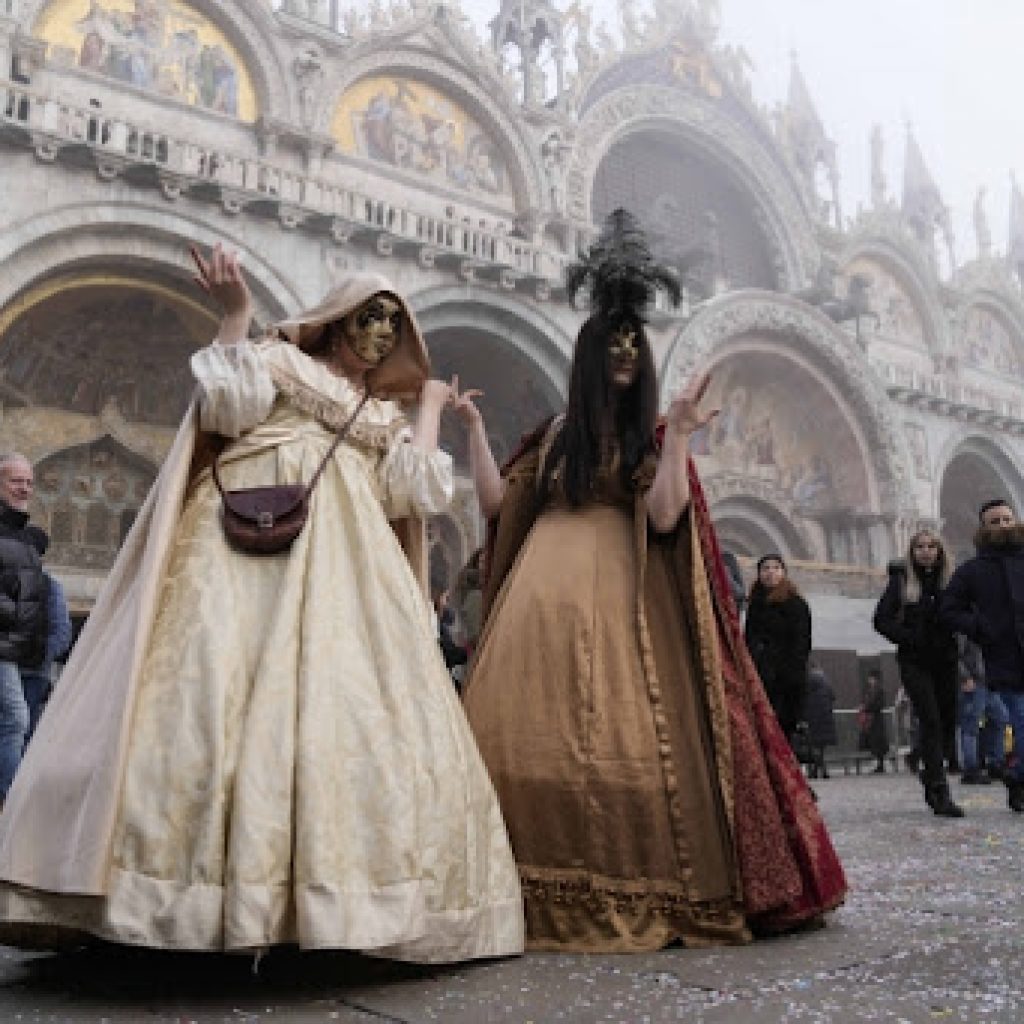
point(23, 595)
point(985, 602)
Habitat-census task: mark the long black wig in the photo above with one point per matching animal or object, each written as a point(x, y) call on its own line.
point(576, 452)
point(621, 278)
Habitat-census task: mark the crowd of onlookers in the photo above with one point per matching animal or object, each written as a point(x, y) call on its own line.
point(947, 625)
point(957, 633)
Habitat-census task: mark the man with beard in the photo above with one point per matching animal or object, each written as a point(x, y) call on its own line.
point(985, 602)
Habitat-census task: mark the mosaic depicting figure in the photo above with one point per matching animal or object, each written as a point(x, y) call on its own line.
point(763, 433)
point(411, 126)
point(158, 45)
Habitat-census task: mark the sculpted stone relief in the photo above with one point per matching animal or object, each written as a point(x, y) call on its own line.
point(163, 46)
point(988, 345)
point(898, 317)
point(415, 127)
point(94, 343)
point(917, 441)
point(87, 498)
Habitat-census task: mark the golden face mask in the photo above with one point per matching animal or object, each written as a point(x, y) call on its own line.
point(372, 330)
point(624, 344)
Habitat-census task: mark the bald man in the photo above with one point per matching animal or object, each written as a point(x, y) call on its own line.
point(23, 596)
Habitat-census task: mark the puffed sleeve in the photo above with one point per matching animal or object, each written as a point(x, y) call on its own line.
point(236, 389)
point(415, 481)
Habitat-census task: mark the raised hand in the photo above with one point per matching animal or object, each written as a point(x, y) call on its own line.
point(436, 393)
point(221, 278)
point(684, 416)
point(463, 405)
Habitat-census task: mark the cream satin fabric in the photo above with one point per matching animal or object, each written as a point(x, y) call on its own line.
point(298, 767)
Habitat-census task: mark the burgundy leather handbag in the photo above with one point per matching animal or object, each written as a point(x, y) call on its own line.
point(266, 520)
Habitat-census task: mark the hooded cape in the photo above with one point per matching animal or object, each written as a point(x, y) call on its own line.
point(56, 835)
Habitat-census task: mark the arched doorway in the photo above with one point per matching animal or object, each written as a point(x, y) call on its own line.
point(82, 343)
point(976, 473)
point(517, 397)
point(94, 379)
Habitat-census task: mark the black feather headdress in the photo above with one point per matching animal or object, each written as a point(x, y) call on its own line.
point(619, 272)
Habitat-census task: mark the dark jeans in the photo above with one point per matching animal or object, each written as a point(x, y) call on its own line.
point(36, 686)
point(932, 690)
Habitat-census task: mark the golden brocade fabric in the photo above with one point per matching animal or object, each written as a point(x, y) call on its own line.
point(298, 766)
point(604, 735)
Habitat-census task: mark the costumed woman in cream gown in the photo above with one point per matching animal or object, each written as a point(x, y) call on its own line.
point(248, 750)
point(649, 793)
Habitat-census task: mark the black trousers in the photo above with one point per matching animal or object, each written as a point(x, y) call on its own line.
point(931, 687)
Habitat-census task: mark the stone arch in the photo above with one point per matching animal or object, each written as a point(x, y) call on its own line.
point(518, 358)
point(973, 468)
point(81, 235)
point(251, 28)
point(515, 355)
point(800, 334)
point(915, 279)
point(749, 526)
point(775, 203)
point(508, 132)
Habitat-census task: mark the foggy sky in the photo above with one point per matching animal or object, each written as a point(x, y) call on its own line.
point(953, 68)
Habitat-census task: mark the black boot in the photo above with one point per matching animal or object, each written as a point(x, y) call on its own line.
point(937, 796)
point(1015, 795)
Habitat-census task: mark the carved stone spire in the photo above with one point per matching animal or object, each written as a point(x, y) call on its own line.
point(923, 206)
point(528, 25)
point(809, 145)
point(1015, 248)
point(982, 233)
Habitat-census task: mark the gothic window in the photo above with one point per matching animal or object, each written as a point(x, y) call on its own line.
point(685, 202)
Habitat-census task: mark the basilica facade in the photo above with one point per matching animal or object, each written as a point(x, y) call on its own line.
point(869, 380)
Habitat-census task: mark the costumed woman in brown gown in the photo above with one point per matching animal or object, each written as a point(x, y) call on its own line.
point(649, 793)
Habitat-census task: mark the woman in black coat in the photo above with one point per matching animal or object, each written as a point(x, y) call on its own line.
point(907, 615)
point(778, 632)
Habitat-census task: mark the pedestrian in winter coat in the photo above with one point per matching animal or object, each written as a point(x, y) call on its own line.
point(821, 722)
point(907, 615)
point(778, 633)
point(872, 721)
point(977, 704)
point(985, 602)
point(22, 609)
point(38, 682)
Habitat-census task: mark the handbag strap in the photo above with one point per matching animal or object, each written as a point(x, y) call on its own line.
point(338, 438)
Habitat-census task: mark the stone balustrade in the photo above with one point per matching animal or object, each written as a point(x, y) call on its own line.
point(950, 396)
point(52, 124)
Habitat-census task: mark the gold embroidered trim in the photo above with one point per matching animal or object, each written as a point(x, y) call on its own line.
point(711, 667)
point(334, 414)
point(676, 812)
point(598, 892)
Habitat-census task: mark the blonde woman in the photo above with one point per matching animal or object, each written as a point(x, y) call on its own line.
point(907, 615)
